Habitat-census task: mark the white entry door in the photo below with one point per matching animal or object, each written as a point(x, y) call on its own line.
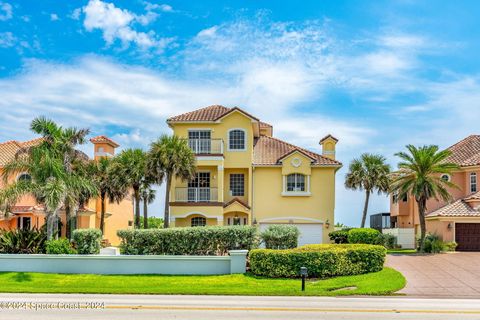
point(310, 233)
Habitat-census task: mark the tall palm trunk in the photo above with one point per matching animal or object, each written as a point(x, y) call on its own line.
point(52, 225)
point(68, 221)
point(102, 212)
point(422, 205)
point(145, 214)
point(166, 220)
point(136, 192)
point(365, 208)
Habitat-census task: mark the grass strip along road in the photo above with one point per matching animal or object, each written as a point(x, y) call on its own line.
point(384, 282)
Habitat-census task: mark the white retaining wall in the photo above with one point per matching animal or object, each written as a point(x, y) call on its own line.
point(405, 236)
point(124, 264)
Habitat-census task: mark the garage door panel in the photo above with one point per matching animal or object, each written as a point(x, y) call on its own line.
point(467, 236)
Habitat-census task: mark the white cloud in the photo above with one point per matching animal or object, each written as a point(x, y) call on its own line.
point(6, 11)
point(54, 17)
point(7, 39)
point(208, 32)
point(117, 24)
point(75, 15)
point(155, 6)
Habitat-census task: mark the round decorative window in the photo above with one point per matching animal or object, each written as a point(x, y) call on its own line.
point(296, 162)
point(445, 177)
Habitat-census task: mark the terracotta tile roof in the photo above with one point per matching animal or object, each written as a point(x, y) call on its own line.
point(9, 149)
point(211, 113)
point(466, 152)
point(458, 208)
point(264, 125)
point(328, 136)
point(104, 139)
point(26, 209)
point(269, 150)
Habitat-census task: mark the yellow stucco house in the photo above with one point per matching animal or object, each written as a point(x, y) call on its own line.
point(245, 176)
point(28, 214)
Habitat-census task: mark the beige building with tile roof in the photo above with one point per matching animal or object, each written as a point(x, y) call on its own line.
point(27, 213)
point(246, 176)
point(458, 220)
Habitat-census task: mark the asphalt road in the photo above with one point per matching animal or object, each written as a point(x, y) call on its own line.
point(133, 307)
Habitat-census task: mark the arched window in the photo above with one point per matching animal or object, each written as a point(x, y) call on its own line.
point(445, 177)
point(295, 182)
point(24, 177)
point(199, 222)
point(236, 139)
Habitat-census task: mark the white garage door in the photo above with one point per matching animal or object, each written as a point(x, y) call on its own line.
point(310, 233)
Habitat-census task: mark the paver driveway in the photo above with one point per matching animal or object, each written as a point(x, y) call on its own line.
point(455, 274)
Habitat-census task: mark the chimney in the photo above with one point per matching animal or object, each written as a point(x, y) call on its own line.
point(103, 147)
point(328, 144)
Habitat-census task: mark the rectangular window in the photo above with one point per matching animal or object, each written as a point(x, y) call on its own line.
point(24, 223)
point(236, 140)
point(200, 141)
point(237, 184)
point(295, 182)
point(473, 182)
point(199, 187)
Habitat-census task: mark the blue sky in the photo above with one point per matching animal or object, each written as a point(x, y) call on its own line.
point(376, 74)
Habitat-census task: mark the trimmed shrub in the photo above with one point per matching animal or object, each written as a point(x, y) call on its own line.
point(87, 241)
point(280, 236)
point(339, 236)
point(450, 246)
point(215, 240)
point(322, 260)
point(60, 246)
point(389, 241)
point(363, 235)
point(22, 241)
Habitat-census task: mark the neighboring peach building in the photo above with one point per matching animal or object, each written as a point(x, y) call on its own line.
point(246, 176)
point(27, 213)
point(458, 220)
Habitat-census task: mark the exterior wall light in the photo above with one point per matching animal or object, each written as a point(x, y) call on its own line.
point(449, 226)
point(327, 224)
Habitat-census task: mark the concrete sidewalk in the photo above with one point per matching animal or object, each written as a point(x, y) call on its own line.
point(455, 274)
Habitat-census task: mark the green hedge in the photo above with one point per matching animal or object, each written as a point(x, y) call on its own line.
point(215, 240)
point(339, 236)
point(322, 260)
point(87, 241)
point(363, 235)
point(280, 236)
point(59, 246)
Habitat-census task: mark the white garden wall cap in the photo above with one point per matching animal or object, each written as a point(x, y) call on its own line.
point(238, 252)
point(107, 257)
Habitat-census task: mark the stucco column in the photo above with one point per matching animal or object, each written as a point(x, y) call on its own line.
point(238, 261)
point(220, 181)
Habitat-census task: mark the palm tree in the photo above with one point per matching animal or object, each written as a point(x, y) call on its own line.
point(108, 187)
point(63, 142)
point(419, 176)
point(48, 184)
point(148, 196)
point(369, 173)
point(129, 171)
point(171, 157)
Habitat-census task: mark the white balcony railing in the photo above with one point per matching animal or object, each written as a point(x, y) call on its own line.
point(206, 146)
point(196, 194)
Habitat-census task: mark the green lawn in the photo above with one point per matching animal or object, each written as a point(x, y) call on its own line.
point(384, 282)
point(401, 251)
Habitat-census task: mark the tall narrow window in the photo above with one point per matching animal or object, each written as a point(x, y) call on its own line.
point(236, 139)
point(200, 141)
point(237, 184)
point(473, 182)
point(295, 182)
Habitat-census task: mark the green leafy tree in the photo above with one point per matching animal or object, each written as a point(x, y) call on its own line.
point(170, 158)
point(129, 170)
point(148, 196)
point(369, 174)
point(62, 142)
point(419, 176)
point(109, 188)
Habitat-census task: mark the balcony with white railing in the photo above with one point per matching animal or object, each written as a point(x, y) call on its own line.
point(206, 146)
point(193, 195)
